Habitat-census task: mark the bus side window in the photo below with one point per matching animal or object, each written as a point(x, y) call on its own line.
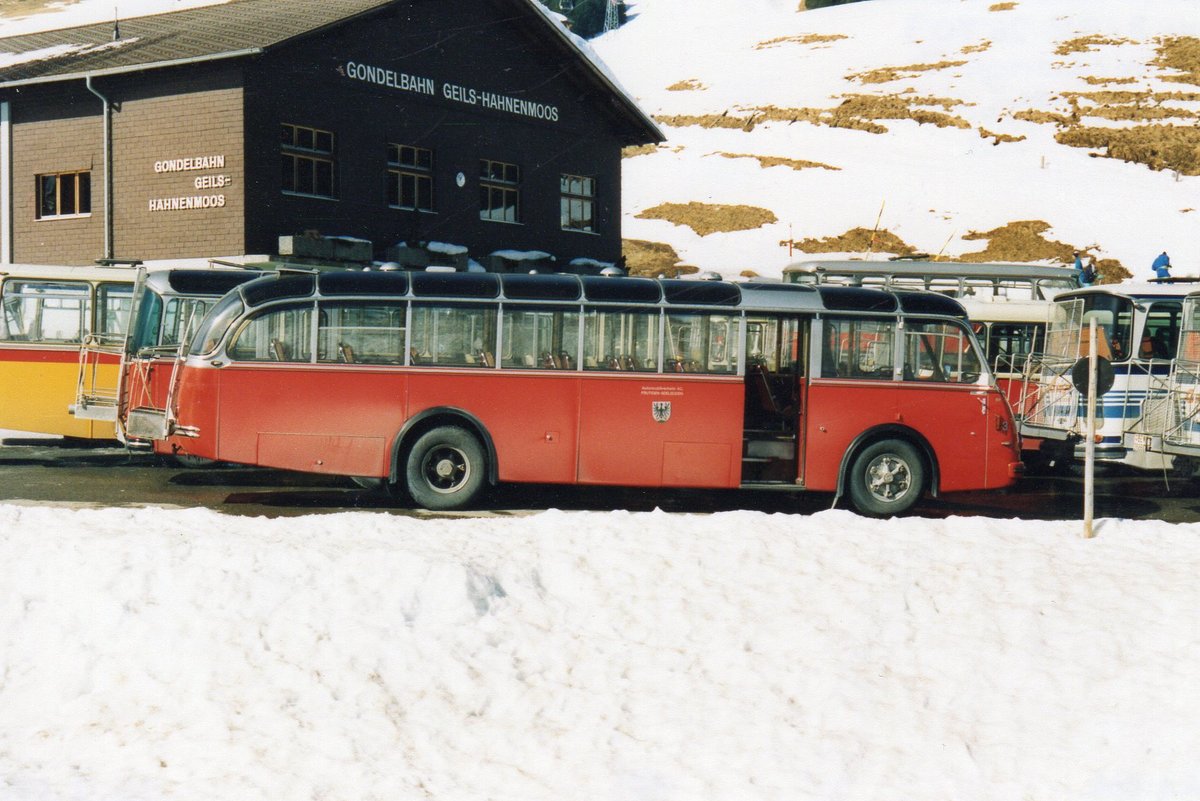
point(698, 343)
point(457, 336)
point(539, 339)
point(621, 339)
point(113, 302)
point(275, 335)
point(858, 348)
point(361, 333)
point(47, 311)
point(939, 351)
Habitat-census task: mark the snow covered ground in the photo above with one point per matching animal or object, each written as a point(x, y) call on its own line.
point(153, 654)
point(929, 185)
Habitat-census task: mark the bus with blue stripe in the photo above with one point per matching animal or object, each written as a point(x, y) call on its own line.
point(1138, 327)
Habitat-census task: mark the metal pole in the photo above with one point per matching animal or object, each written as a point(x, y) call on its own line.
point(1089, 446)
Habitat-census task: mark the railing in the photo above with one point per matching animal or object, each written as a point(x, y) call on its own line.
point(96, 399)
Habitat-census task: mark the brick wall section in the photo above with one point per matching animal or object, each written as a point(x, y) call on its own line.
point(56, 135)
point(171, 116)
point(179, 118)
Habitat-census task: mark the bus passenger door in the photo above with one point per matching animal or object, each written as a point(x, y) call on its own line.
point(772, 438)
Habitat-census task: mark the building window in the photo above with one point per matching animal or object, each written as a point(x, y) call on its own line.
point(578, 203)
point(307, 161)
point(410, 177)
point(64, 194)
point(499, 191)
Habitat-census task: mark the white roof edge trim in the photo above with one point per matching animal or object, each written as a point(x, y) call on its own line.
point(153, 65)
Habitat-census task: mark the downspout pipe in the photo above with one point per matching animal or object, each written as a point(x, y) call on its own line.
point(108, 194)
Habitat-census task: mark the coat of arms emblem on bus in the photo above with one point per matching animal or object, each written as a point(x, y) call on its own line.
point(661, 411)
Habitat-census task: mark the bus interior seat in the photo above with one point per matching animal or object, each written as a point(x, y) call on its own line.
point(346, 352)
point(278, 350)
point(487, 358)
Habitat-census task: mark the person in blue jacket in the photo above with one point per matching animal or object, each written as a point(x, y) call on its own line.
point(1162, 266)
point(1086, 274)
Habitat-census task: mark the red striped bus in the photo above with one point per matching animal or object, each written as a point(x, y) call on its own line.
point(441, 384)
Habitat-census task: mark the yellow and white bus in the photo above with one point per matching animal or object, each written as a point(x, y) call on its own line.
point(47, 314)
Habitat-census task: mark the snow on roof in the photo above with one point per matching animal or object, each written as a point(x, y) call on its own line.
point(444, 247)
point(87, 12)
point(58, 51)
point(521, 255)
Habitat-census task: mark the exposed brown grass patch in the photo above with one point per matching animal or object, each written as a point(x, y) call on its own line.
point(1019, 241)
point(1130, 106)
point(1023, 241)
point(860, 112)
point(1104, 81)
point(1159, 147)
point(857, 240)
point(1180, 54)
point(976, 48)
point(779, 161)
point(1002, 6)
point(803, 39)
point(689, 85)
point(725, 120)
point(638, 150)
point(653, 259)
point(1043, 117)
point(997, 138)
point(1088, 44)
point(1112, 271)
point(710, 218)
point(889, 74)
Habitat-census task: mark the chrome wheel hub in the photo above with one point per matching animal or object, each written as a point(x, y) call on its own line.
point(888, 477)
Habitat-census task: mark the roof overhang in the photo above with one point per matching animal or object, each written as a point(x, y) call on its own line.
point(130, 68)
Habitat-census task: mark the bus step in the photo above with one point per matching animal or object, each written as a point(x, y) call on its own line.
point(94, 409)
point(781, 448)
point(768, 433)
point(147, 423)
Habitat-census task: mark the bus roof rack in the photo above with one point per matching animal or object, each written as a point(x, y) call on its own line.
point(119, 262)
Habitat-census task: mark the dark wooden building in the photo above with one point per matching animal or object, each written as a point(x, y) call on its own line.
point(474, 127)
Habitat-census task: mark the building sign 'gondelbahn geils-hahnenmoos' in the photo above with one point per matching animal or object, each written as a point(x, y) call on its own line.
point(189, 202)
point(416, 84)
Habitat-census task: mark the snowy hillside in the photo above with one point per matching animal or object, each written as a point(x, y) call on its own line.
point(941, 123)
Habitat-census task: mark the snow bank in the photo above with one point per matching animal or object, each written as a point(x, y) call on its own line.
point(151, 654)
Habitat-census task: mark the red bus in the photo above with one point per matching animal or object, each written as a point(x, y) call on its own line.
point(440, 384)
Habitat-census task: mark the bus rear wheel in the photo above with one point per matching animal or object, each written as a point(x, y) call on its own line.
point(887, 478)
point(445, 469)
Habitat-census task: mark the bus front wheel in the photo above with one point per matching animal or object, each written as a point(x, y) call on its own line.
point(445, 469)
point(887, 478)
